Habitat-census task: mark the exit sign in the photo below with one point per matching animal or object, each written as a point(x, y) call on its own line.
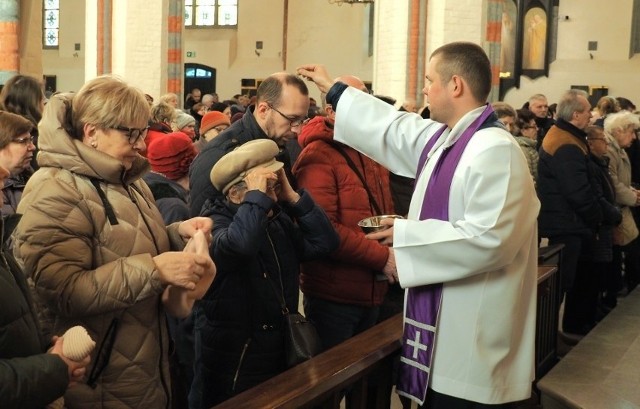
point(191, 54)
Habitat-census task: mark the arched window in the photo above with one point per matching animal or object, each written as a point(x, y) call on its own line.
point(211, 13)
point(50, 23)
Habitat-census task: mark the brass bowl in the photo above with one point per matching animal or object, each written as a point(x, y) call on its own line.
point(372, 224)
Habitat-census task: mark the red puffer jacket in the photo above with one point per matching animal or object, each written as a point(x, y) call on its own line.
point(349, 274)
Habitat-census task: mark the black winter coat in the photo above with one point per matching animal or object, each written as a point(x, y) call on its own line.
point(29, 378)
point(568, 203)
point(239, 323)
point(240, 132)
point(602, 242)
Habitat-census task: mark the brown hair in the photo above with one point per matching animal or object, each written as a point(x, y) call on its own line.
point(12, 126)
point(469, 61)
point(270, 90)
point(23, 95)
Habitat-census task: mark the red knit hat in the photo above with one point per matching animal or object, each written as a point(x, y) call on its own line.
point(171, 154)
point(212, 119)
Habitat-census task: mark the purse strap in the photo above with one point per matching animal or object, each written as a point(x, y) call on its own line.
point(283, 303)
point(355, 170)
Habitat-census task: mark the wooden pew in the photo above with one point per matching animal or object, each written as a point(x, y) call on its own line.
point(319, 382)
point(368, 357)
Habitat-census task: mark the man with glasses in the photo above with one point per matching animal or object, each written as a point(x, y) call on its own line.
point(279, 113)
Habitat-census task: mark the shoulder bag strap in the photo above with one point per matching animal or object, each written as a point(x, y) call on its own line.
point(355, 170)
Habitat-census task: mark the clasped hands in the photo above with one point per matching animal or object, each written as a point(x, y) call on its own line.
point(186, 269)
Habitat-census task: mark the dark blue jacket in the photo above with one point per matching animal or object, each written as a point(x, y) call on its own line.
point(171, 198)
point(239, 323)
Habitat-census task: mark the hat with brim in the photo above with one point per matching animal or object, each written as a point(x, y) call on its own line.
point(235, 165)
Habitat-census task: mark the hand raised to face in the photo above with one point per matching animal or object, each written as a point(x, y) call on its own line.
point(260, 179)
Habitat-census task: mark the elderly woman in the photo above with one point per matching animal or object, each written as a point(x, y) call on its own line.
point(239, 330)
point(96, 246)
point(16, 152)
point(527, 134)
point(620, 129)
point(22, 95)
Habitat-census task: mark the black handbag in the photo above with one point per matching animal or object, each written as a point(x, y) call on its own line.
point(301, 339)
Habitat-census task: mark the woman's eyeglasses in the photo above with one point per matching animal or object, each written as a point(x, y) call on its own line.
point(24, 141)
point(134, 134)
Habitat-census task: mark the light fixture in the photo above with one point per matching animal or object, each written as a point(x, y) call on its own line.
point(340, 2)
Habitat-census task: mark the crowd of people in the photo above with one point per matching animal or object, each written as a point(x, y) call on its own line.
point(581, 158)
point(105, 191)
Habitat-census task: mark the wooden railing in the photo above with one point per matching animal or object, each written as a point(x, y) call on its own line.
point(362, 361)
point(367, 360)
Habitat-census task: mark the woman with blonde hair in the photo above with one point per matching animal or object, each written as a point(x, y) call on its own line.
point(606, 105)
point(170, 98)
point(162, 116)
point(97, 249)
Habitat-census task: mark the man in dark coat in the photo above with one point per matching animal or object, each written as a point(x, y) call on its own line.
point(281, 109)
point(570, 212)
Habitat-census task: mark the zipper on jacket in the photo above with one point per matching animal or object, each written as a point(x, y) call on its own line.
point(237, 373)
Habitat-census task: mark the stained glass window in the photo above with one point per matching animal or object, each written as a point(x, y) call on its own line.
point(210, 13)
point(50, 23)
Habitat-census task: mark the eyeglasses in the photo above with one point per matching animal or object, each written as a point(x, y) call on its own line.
point(295, 122)
point(24, 141)
point(134, 134)
point(530, 127)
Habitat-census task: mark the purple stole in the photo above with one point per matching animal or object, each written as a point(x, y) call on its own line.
point(422, 305)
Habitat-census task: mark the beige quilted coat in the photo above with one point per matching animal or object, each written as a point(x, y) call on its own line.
point(91, 273)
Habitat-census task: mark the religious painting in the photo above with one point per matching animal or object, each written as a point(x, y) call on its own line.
point(508, 39)
point(534, 39)
point(529, 32)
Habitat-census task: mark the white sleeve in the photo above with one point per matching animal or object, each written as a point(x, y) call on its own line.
point(392, 138)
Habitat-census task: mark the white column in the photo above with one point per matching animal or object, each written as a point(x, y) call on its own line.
point(139, 43)
point(447, 21)
point(90, 40)
point(390, 48)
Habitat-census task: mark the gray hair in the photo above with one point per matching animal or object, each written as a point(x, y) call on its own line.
point(569, 103)
point(620, 121)
point(537, 97)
